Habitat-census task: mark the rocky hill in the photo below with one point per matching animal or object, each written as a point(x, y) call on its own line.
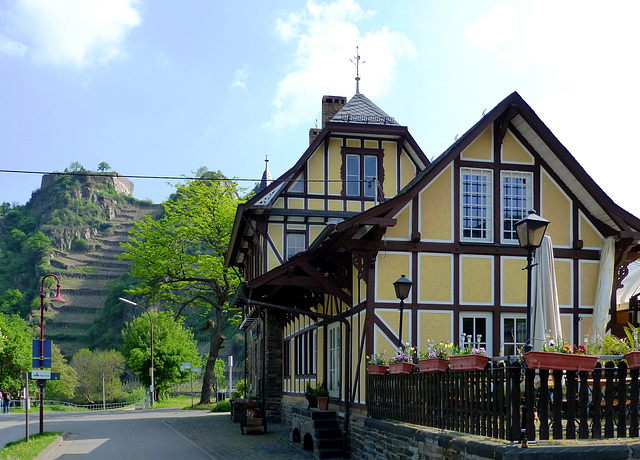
point(86, 233)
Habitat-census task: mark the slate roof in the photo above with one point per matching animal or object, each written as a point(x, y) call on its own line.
point(359, 109)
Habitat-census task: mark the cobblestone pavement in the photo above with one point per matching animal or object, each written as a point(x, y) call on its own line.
point(219, 437)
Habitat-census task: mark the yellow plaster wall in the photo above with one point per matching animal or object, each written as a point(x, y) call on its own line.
point(402, 229)
point(335, 160)
point(383, 345)
point(296, 227)
point(407, 170)
point(434, 326)
point(389, 162)
point(368, 205)
point(435, 208)
point(392, 318)
point(480, 148)
point(276, 232)
point(567, 328)
point(564, 275)
point(435, 278)
point(314, 231)
point(336, 205)
point(390, 265)
point(279, 204)
point(370, 144)
point(585, 327)
point(514, 281)
point(512, 151)
point(588, 282)
point(316, 204)
point(589, 236)
point(353, 206)
point(556, 208)
point(477, 279)
point(296, 203)
point(316, 172)
point(353, 143)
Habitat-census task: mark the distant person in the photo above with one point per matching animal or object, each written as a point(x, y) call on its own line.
point(6, 401)
point(1, 401)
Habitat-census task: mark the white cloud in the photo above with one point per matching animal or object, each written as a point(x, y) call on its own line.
point(76, 33)
point(326, 36)
point(12, 48)
point(499, 25)
point(240, 77)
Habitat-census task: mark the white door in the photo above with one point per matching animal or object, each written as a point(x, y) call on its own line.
point(333, 360)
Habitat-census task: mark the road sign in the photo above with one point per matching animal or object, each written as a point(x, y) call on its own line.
point(185, 366)
point(41, 353)
point(41, 374)
point(197, 370)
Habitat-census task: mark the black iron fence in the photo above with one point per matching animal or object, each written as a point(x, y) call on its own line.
point(507, 400)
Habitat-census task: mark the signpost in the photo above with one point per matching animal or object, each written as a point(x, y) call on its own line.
point(197, 370)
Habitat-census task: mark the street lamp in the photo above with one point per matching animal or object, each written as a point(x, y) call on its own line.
point(402, 287)
point(57, 298)
point(530, 231)
point(153, 386)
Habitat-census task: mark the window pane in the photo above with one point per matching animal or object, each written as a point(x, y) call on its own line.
point(295, 244)
point(476, 205)
point(353, 175)
point(370, 171)
point(298, 185)
point(517, 199)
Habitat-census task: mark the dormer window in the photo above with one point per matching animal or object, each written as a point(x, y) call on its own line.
point(360, 172)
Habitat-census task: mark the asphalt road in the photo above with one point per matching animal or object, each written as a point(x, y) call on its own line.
point(153, 434)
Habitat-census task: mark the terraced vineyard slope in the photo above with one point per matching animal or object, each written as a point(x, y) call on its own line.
point(84, 277)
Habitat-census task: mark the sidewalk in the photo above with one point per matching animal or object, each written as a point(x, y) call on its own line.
point(219, 437)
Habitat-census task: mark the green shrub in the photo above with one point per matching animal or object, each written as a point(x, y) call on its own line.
point(222, 406)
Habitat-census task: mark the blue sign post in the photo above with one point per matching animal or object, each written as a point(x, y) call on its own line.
point(41, 354)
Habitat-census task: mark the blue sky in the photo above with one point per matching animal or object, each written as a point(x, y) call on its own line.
point(163, 88)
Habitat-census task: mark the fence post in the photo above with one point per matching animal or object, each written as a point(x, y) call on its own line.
point(530, 403)
point(513, 401)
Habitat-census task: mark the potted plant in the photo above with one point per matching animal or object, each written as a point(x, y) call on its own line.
point(468, 358)
point(252, 407)
point(322, 394)
point(377, 364)
point(557, 355)
point(402, 362)
point(311, 397)
point(436, 358)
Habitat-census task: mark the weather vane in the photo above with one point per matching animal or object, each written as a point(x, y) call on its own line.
point(357, 64)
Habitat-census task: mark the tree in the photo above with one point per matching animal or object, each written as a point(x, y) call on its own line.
point(180, 258)
point(104, 166)
point(92, 368)
point(15, 351)
point(76, 167)
point(63, 389)
point(172, 345)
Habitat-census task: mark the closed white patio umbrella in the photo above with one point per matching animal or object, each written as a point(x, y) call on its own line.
point(604, 290)
point(544, 296)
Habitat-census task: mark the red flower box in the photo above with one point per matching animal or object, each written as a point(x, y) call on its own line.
point(400, 368)
point(633, 359)
point(468, 362)
point(560, 361)
point(377, 369)
point(433, 365)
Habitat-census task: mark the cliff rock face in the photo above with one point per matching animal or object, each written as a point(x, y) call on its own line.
point(122, 185)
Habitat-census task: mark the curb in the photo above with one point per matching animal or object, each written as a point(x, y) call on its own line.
point(55, 443)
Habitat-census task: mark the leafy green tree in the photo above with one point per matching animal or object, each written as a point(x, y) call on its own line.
point(10, 301)
point(63, 389)
point(103, 166)
point(92, 367)
point(172, 345)
point(15, 351)
point(179, 259)
point(76, 167)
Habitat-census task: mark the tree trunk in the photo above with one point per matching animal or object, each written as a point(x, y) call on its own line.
point(215, 343)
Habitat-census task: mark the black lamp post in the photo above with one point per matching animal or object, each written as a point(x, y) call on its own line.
point(57, 298)
point(402, 287)
point(530, 231)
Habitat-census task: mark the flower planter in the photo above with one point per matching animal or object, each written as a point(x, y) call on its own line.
point(253, 413)
point(377, 369)
point(468, 362)
point(400, 368)
point(323, 402)
point(433, 365)
point(560, 361)
point(633, 359)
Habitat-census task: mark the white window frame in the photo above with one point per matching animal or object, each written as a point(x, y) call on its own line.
point(369, 184)
point(476, 206)
point(487, 339)
point(296, 242)
point(512, 214)
point(519, 318)
point(333, 359)
point(352, 177)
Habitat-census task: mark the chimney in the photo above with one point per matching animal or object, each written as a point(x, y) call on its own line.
point(313, 133)
point(330, 106)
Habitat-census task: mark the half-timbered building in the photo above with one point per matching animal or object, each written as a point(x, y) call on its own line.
point(321, 246)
